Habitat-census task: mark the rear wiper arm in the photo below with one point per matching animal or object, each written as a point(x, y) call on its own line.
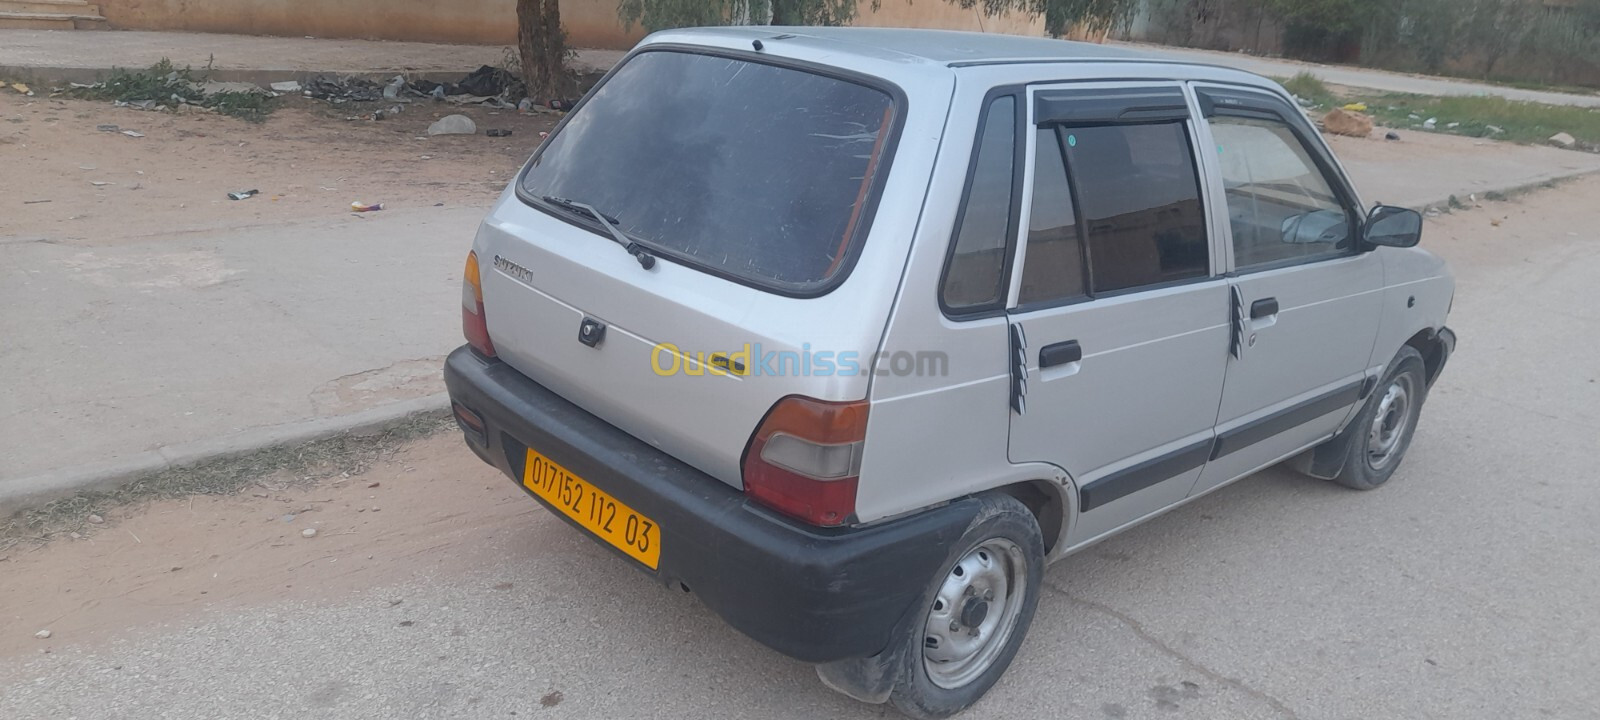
point(646, 260)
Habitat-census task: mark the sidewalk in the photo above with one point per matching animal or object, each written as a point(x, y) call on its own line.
point(115, 352)
point(1425, 169)
point(73, 56)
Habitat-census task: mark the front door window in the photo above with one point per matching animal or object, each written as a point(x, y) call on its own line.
point(1280, 206)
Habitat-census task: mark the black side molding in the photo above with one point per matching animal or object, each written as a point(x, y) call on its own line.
point(1138, 477)
point(1060, 353)
point(1286, 419)
point(1133, 479)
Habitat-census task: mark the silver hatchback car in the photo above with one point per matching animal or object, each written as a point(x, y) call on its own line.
point(850, 332)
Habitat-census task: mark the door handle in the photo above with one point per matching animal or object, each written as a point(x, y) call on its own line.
point(1060, 353)
point(1265, 307)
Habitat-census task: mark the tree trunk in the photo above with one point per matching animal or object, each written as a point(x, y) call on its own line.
point(1261, 18)
point(543, 48)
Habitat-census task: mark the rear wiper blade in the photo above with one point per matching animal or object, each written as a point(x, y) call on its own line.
point(646, 260)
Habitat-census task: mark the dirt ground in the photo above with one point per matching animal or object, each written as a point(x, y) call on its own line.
point(422, 512)
point(65, 180)
point(433, 507)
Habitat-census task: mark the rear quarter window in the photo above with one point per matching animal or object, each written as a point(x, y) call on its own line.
point(763, 173)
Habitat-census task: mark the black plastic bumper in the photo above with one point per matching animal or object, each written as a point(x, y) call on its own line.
point(1446, 346)
point(817, 595)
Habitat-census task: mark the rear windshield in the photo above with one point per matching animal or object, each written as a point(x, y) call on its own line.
point(755, 171)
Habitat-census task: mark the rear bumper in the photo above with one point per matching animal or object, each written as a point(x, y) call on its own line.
point(817, 595)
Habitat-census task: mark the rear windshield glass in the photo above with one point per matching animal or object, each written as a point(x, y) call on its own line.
point(752, 170)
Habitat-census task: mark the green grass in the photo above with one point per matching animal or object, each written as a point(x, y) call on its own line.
point(249, 106)
point(1309, 87)
point(169, 86)
point(1478, 116)
point(1519, 121)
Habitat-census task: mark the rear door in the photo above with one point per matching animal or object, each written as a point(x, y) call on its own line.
point(1118, 313)
point(1306, 298)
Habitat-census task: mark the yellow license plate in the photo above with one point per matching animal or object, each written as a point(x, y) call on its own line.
point(625, 528)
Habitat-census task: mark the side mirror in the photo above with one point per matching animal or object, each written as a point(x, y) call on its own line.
point(1330, 227)
point(1390, 226)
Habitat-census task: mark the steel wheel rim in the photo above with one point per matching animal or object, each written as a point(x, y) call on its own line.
point(974, 613)
point(1390, 423)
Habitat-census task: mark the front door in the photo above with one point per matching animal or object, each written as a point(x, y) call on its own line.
point(1119, 326)
point(1306, 297)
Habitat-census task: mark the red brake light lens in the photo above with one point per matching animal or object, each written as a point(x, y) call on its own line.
point(473, 322)
point(805, 459)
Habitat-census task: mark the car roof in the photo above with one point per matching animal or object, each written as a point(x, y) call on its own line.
point(918, 58)
point(943, 47)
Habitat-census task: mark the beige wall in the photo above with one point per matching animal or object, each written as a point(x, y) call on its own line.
point(589, 23)
point(944, 15)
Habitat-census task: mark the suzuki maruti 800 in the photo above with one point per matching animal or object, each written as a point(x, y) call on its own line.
point(850, 332)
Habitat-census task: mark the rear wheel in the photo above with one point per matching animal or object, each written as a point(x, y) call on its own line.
point(975, 613)
point(1386, 423)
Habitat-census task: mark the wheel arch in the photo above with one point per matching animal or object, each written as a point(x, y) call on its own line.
point(1049, 502)
point(1327, 460)
point(1432, 349)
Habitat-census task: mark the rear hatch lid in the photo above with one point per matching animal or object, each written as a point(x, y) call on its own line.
point(753, 185)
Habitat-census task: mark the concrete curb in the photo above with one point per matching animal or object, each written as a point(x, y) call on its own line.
point(1510, 189)
point(32, 491)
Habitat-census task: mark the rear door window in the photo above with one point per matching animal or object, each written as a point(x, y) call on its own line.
point(1114, 208)
point(759, 172)
point(1140, 198)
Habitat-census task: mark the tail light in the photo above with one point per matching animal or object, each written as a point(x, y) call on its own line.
point(473, 323)
point(805, 459)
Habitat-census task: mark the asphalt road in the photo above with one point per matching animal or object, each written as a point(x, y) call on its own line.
point(1463, 589)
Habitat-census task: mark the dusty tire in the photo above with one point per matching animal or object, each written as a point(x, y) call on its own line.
point(1386, 423)
point(946, 663)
